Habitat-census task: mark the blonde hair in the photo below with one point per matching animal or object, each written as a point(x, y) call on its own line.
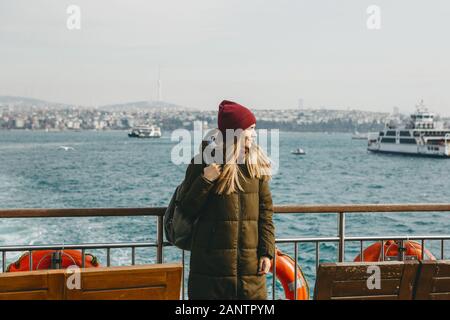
point(256, 161)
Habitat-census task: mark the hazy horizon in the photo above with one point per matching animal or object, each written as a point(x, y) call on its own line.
point(261, 54)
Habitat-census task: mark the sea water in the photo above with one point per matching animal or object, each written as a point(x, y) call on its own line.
point(108, 169)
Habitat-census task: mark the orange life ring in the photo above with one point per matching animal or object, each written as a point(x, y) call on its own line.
point(285, 267)
point(373, 252)
point(42, 260)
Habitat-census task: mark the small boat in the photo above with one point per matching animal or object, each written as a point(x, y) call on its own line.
point(359, 136)
point(299, 151)
point(145, 132)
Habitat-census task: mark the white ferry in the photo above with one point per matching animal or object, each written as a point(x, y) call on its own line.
point(145, 132)
point(421, 136)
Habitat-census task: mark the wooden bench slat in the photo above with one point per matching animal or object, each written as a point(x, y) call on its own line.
point(111, 279)
point(376, 297)
point(153, 293)
point(357, 287)
point(443, 269)
point(440, 296)
point(441, 285)
point(160, 281)
point(25, 295)
point(352, 271)
point(26, 281)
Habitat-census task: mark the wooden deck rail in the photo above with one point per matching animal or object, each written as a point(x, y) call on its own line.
point(281, 209)
point(340, 209)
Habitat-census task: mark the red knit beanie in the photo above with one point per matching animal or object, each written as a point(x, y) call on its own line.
point(234, 116)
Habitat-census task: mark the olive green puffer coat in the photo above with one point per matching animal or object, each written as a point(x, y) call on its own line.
point(232, 232)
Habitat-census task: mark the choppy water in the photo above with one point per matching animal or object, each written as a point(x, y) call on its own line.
point(108, 169)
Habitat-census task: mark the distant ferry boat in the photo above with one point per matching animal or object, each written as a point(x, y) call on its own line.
point(145, 132)
point(419, 137)
point(359, 136)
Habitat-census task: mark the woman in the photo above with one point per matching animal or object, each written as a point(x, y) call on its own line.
point(233, 240)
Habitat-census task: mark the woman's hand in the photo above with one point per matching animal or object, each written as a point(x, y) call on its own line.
point(212, 172)
point(264, 265)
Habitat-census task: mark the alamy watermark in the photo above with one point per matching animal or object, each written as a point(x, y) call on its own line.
point(219, 147)
point(74, 19)
point(374, 18)
point(73, 281)
point(373, 21)
point(374, 280)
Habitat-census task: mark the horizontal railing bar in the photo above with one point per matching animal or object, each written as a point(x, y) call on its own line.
point(81, 212)
point(312, 239)
point(375, 238)
point(168, 244)
point(281, 209)
point(80, 246)
point(363, 208)
point(371, 238)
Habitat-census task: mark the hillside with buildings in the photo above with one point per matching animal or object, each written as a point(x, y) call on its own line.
point(32, 114)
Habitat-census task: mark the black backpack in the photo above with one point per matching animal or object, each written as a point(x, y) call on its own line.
point(177, 227)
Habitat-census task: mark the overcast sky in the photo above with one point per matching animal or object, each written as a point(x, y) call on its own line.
point(264, 54)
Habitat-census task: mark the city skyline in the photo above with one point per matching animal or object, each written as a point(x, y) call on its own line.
point(63, 117)
point(143, 104)
point(269, 55)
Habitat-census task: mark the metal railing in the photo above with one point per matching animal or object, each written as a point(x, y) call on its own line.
point(341, 239)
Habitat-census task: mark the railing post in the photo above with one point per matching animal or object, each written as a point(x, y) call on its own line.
point(160, 240)
point(341, 235)
point(30, 260)
point(182, 275)
point(4, 258)
point(83, 258)
point(401, 250)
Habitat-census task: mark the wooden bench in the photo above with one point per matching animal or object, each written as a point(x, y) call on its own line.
point(434, 281)
point(143, 282)
point(36, 285)
point(349, 281)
